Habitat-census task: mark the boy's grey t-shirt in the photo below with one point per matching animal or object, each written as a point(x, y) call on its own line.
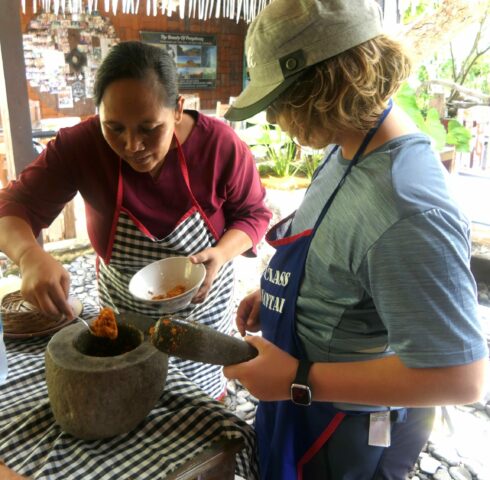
point(387, 270)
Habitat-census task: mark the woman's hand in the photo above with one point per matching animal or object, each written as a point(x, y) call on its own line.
point(212, 259)
point(45, 283)
point(247, 315)
point(269, 375)
point(232, 243)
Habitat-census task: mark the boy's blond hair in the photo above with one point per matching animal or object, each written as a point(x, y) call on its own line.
point(345, 92)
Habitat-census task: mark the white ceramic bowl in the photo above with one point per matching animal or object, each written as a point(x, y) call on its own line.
point(159, 277)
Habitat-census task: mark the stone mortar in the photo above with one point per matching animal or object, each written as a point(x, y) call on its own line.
point(95, 397)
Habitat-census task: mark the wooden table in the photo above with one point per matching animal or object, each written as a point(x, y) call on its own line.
point(215, 463)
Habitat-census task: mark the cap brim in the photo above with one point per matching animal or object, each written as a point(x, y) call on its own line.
point(254, 99)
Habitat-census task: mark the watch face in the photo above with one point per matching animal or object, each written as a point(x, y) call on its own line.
point(300, 394)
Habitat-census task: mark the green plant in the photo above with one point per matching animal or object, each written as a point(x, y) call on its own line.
point(275, 150)
point(310, 159)
point(414, 9)
point(458, 136)
point(431, 124)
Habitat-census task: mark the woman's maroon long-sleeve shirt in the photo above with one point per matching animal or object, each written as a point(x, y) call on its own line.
point(222, 172)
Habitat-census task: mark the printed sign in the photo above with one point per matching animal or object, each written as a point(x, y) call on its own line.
point(194, 55)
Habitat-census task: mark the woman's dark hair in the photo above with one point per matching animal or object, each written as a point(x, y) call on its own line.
point(138, 60)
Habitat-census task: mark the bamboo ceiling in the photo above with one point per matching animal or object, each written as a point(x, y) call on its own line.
point(198, 9)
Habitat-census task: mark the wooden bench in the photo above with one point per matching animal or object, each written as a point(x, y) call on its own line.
point(214, 463)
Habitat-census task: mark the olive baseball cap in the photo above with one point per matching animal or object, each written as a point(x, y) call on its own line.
point(291, 35)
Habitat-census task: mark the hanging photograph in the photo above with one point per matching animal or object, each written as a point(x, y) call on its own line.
point(194, 55)
point(65, 98)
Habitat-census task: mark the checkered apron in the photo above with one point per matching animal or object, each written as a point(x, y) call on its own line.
point(133, 247)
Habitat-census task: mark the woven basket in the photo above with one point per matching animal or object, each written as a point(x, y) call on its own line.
point(19, 316)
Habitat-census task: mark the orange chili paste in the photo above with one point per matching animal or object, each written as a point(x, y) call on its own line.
point(105, 324)
point(173, 292)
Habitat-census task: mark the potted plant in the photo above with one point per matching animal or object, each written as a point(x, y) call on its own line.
point(448, 136)
point(278, 156)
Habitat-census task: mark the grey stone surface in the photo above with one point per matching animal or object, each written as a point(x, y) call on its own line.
point(93, 397)
point(446, 453)
point(442, 474)
point(460, 473)
point(429, 464)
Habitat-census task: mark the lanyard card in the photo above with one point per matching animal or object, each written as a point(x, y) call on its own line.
point(379, 429)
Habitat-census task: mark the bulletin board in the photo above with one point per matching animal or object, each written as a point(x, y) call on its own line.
point(62, 54)
point(195, 57)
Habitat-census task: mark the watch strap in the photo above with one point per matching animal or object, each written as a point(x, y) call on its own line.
point(300, 390)
point(302, 372)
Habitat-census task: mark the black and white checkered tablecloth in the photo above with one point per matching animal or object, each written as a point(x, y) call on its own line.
point(182, 424)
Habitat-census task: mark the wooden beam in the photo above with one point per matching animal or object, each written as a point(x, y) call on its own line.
point(14, 100)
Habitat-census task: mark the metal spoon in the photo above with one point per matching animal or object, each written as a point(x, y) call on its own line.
point(86, 324)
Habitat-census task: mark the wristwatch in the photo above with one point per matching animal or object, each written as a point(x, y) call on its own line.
point(300, 390)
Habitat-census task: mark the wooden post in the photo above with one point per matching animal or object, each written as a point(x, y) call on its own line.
point(69, 220)
point(438, 102)
point(14, 100)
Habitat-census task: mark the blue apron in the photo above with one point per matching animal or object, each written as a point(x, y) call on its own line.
point(289, 435)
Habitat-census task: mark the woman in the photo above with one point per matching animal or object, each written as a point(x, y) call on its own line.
point(157, 181)
point(368, 308)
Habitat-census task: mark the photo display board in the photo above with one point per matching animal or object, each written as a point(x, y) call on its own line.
point(62, 55)
point(194, 55)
